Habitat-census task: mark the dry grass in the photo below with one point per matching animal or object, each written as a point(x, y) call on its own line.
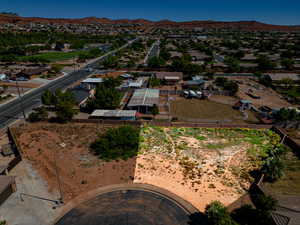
point(207, 110)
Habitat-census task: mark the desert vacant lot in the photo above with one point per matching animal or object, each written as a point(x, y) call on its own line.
point(197, 164)
point(208, 111)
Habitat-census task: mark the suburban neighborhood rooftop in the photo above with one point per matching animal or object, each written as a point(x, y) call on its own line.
point(144, 97)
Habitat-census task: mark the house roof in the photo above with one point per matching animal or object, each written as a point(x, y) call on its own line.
point(279, 76)
point(244, 101)
point(80, 94)
point(92, 80)
point(114, 113)
point(164, 75)
point(144, 97)
point(194, 82)
point(30, 72)
point(137, 83)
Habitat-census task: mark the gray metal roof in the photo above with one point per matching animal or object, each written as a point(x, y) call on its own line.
point(93, 80)
point(114, 113)
point(144, 97)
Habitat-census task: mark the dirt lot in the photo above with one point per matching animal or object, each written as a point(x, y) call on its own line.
point(195, 110)
point(268, 96)
point(67, 145)
point(199, 165)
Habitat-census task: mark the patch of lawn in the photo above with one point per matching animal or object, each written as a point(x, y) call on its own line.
point(52, 56)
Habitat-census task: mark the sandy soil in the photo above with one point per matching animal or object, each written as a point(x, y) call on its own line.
point(202, 111)
point(197, 174)
point(79, 170)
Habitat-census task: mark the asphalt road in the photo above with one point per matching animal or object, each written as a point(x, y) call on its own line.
point(13, 110)
point(130, 207)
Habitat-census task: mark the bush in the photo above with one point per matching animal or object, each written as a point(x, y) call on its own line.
point(218, 215)
point(38, 114)
point(117, 143)
point(155, 110)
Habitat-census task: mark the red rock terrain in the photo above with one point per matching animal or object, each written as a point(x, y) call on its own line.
point(243, 25)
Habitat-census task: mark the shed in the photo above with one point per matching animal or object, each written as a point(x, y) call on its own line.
point(143, 100)
point(114, 114)
point(138, 83)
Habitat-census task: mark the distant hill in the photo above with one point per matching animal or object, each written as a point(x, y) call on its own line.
point(243, 25)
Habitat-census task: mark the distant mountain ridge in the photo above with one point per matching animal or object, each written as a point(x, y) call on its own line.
point(243, 25)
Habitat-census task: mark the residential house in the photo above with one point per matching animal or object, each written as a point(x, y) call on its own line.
point(32, 73)
point(169, 78)
point(91, 83)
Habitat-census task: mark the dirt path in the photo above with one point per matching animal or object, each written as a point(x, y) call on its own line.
point(171, 140)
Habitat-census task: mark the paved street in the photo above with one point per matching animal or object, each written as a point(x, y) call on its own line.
point(134, 207)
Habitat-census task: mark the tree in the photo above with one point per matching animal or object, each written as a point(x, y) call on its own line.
point(218, 215)
point(155, 110)
point(233, 64)
point(63, 103)
point(273, 168)
point(164, 54)
point(231, 86)
point(264, 63)
point(284, 115)
point(154, 82)
point(48, 98)
point(265, 80)
point(117, 143)
point(156, 62)
point(287, 82)
point(288, 63)
point(106, 96)
point(110, 62)
point(56, 68)
point(64, 111)
point(38, 114)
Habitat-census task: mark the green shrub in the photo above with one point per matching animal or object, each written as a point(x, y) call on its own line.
point(117, 143)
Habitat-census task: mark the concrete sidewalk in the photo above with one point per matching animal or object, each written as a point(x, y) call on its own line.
point(30, 211)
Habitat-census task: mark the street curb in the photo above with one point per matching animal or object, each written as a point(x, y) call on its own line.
point(183, 204)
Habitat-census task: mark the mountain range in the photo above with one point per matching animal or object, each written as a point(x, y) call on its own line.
point(243, 25)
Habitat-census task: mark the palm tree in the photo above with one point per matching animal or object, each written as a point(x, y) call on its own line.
point(273, 168)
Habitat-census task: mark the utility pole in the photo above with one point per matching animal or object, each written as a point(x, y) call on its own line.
point(21, 99)
point(61, 200)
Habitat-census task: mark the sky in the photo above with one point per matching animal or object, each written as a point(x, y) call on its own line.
point(281, 12)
